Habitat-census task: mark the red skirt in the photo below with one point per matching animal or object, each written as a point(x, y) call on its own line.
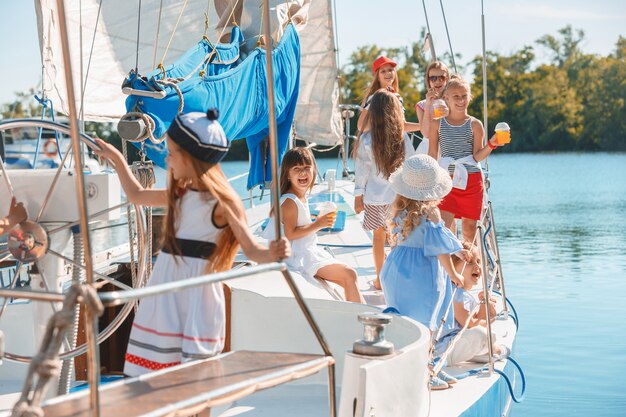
point(466, 203)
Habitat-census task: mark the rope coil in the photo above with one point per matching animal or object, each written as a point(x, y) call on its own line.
point(46, 363)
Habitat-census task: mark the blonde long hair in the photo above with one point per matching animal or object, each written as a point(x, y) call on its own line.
point(386, 123)
point(212, 179)
point(414, 211)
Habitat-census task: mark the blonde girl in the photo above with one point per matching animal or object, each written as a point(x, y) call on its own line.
point(457, 142)
point(418, 274)
point(297, 177)
point(385, 77)
point(379, 152)
point(204, 226)
point(436, 77)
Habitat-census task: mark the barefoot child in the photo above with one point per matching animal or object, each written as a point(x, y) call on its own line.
point(379, 152)
point(204, 226)
point(297, 177)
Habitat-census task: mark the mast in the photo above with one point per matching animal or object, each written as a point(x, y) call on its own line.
point(485, 118)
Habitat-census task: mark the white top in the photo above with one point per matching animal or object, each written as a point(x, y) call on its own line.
point(368, 182)
point(306, 257)
point(180, 326)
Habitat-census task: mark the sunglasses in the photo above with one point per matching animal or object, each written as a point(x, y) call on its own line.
point(434, 78)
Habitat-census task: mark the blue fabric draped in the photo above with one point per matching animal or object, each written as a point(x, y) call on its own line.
point(240, 94)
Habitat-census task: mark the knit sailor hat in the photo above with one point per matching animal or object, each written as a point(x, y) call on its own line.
point(421, 178)
point(201, 135)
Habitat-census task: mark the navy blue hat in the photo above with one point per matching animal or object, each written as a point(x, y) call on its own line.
point(201, 135)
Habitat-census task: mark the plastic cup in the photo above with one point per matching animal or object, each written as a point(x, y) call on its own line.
point(503, 133)
point(327, 207)
point(440, 109)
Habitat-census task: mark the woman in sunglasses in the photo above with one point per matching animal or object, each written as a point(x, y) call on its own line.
point(436, 78)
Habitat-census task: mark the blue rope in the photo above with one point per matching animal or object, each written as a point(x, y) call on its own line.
point(515, 316)
point(508, 382)
point(477, 371)
point(491, 262)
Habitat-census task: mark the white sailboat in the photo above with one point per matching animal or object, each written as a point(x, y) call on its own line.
point(266, 315)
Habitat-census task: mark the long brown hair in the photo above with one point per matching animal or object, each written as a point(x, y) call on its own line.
point(386, 123)
point(212, 179)
point(414, 211)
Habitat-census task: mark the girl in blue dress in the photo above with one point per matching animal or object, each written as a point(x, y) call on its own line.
point(418, 274)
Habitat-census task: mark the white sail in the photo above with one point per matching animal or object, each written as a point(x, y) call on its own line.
point(103, 44)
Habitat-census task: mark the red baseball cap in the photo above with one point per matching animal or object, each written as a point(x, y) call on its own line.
point(380, 61)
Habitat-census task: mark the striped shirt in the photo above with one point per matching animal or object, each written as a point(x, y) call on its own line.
point(457, 142)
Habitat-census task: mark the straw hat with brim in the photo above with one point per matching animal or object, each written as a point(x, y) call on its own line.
point(421, 178)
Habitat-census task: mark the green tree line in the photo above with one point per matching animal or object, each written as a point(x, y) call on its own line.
point(574, 102)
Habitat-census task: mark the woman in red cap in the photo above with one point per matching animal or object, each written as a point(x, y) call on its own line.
point(384, 70)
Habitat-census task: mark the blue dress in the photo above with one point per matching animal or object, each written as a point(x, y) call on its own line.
point(413, 280)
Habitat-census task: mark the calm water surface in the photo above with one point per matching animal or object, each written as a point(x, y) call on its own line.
point(562, 232)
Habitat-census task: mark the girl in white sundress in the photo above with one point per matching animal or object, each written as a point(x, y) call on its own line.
point(297, 177)
point(204, 226)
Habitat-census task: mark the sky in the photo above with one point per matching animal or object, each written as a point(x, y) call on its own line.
point(510, 25)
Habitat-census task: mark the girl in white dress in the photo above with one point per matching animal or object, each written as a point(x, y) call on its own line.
point(204, 226)
point(297, 177)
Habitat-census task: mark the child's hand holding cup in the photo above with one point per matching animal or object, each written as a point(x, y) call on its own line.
point(440, 109)
point(329, 209)
point(503, 133)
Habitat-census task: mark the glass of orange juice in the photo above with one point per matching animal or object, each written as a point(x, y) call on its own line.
point(440, 109)
point(328, 207)
point(503, 133)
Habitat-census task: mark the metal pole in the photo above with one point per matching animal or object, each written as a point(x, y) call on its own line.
point(272, 117)
point(485, 118)
point(483, 254)
point(498, 263)
point(93, 363)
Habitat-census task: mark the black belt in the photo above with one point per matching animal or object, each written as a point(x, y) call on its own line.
point(193, 248)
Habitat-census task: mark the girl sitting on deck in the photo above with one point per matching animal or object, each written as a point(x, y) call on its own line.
point(417, 275)
point(379, 152)
point(204, 226)
point(472, 345)
point(297, 177)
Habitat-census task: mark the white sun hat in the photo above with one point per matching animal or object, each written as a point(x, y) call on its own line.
point(421, 178)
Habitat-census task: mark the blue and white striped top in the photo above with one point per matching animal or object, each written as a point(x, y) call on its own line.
point(457, 142)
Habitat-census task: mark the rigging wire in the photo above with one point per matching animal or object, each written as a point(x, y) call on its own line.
point(138, 30)
point(428, 36)
point(93, 42)
point(445, 22)
point(156, 36)
point(173, 32)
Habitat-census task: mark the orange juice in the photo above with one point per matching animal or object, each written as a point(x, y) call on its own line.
point(439, 109)
point(503, 133)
